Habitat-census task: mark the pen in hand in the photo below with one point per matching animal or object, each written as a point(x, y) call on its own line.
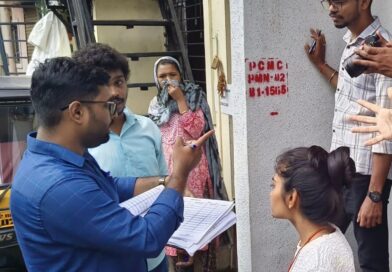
point(313, 46)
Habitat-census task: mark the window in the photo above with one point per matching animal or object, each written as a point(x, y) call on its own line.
point(16, 121)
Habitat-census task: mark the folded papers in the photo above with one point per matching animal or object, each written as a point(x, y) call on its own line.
point(204, 219)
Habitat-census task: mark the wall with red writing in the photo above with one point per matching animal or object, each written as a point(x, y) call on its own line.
point(280, 102)
point(267, 77)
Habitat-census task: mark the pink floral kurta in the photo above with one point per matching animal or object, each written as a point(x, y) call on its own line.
point(190, 126)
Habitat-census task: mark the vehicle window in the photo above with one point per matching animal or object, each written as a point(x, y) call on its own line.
point(16, 121)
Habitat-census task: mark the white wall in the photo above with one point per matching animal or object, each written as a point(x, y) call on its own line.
point(237, 97)
point(265, 126)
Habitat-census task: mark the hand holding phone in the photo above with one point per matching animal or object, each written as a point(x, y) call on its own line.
point(313, 46)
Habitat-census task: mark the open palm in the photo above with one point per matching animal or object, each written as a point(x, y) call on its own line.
point(381, 123)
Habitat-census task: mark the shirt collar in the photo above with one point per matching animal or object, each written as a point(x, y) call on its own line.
point(130, 120)
point(53, 150)
point(129, 117)
point(371, 29)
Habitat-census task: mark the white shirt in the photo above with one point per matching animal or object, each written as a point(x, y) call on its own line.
point(369, 87)
point(327, 253)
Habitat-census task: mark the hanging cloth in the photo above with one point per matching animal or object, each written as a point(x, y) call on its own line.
point(50, 39)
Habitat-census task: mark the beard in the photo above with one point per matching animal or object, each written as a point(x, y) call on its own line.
point(98, 132)
point(338, 21)
point(94, 140)
point(102, 139)
point(345, 21)
point(120, 104)
point(340, 25)
point(120, 109)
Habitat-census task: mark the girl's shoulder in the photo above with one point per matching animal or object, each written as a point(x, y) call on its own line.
point(330, 252)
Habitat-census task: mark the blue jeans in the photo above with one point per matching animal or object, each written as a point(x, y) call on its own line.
point(372, 243)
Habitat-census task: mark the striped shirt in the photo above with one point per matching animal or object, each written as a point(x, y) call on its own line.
point(369, 87)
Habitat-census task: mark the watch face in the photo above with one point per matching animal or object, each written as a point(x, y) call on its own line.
point(375, 196)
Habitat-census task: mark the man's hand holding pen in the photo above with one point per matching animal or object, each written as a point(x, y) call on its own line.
point(316, 51)
point(313, 46)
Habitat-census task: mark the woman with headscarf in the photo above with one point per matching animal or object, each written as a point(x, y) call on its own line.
point(180, 109)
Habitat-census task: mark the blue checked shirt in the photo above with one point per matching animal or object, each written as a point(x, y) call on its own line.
point(369, 87)
point(67, 218)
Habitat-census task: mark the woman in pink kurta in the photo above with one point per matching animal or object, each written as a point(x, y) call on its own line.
point(180, 110)
point(189, 126)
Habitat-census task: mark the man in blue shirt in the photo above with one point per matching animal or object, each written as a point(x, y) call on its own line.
point(65, 208)
point(134, 148)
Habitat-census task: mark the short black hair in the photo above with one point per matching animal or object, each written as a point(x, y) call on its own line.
point(59, 81)
point(104, 56)
point(318, 177)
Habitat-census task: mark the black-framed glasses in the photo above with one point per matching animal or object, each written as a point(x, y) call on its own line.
point(112, 106)
point(336, 3)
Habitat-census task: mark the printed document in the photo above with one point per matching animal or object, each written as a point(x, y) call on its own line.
point(204, 219)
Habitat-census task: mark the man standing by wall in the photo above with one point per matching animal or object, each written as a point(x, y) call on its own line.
point(134, 148)
point(366, 200)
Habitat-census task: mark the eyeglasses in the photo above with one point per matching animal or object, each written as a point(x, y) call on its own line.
point(112, 106)
point(336, 3)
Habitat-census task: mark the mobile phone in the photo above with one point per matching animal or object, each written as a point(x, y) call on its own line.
point(313, 46)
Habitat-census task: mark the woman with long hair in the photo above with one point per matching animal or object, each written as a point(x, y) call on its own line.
point(307, 191)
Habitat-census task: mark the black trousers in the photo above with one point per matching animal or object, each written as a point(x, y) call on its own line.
point(372, 243)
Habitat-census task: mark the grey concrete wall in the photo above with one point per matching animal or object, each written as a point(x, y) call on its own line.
point(265, 125)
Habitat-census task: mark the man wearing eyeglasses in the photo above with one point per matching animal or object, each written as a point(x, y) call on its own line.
point(65, 208)
point(134, 147)
point(367, 198)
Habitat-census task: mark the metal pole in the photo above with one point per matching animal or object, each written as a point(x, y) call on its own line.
point(3, 56)
point(180, 39)
point(5, 16)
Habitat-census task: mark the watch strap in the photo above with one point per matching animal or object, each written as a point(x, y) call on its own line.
point(162, 181)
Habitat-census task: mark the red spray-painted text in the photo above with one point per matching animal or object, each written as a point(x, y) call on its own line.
point(267, 77)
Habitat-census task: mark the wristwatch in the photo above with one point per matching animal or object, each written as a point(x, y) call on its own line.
point(162, 181)
point(375, 196)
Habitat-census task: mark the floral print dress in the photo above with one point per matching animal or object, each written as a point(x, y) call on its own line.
point(189, 126)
